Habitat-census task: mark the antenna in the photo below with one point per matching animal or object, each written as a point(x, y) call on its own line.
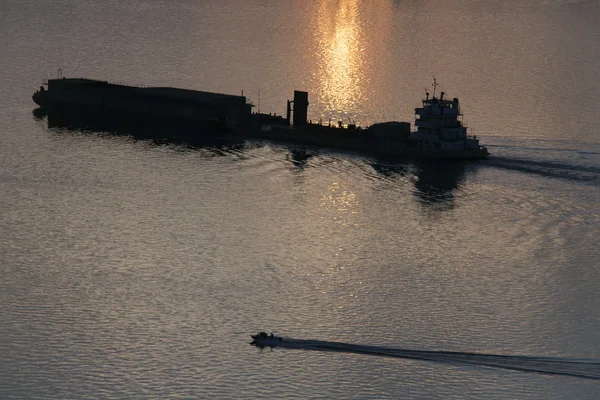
point(435, 85)
point(59, 73)
point(259, 101)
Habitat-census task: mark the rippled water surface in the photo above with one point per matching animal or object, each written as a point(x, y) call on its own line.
point(138, 269)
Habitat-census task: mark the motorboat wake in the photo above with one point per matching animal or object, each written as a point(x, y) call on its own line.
point(579, 368)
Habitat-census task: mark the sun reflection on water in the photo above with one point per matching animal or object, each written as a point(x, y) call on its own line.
point(341, 201)
point(340, 53)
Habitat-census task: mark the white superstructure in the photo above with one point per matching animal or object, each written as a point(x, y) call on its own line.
point(439, 127)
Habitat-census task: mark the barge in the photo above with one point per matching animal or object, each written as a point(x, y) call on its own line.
point(439, 134)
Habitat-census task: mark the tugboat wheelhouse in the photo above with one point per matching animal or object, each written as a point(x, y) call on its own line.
point(439, 126)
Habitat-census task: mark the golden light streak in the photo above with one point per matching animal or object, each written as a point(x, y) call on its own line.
point(340, 71)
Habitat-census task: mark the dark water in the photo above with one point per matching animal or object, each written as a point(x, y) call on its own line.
point(138, 269)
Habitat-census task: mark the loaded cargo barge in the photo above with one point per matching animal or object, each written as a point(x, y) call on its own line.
point(439, 134)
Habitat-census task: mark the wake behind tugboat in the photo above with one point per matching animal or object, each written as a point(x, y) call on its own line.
point(587, 369)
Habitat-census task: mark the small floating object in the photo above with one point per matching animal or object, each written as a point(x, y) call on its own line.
point(263, 340)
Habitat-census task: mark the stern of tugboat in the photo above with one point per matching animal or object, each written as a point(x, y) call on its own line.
point(484, 151)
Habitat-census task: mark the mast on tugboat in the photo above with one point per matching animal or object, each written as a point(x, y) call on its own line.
point(435, 85)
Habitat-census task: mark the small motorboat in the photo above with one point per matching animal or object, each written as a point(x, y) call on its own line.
point(263, 340)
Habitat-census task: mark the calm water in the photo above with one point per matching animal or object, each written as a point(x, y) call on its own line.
point(132, 269)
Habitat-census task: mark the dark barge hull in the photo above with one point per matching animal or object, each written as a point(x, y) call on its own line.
point(162, 105)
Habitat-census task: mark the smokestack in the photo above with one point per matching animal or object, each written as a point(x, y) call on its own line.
point(300, 108)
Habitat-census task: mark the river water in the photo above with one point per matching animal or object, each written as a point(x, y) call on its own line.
point(138, 269)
